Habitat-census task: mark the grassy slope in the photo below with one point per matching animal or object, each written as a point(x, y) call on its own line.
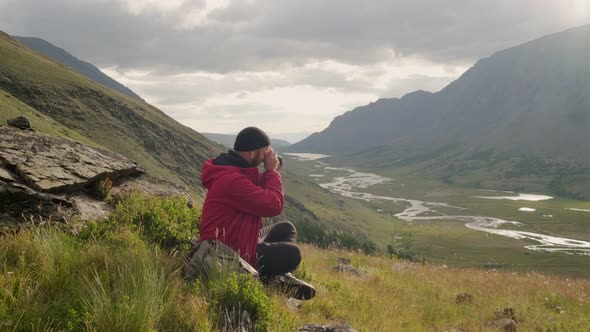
point(12, 107)
point(52, 280)
point(120, 123)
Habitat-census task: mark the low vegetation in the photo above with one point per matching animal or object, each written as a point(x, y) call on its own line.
point(124, 274)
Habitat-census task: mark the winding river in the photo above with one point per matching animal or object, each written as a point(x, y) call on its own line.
point(350, 184)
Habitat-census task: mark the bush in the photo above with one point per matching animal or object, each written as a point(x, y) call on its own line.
point(102, 189)
point(167, 221)
point(242, 292)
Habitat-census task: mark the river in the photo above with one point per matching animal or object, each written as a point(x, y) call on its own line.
point(352, 185)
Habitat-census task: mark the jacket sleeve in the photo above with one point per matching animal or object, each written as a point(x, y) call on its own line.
point(263, 201)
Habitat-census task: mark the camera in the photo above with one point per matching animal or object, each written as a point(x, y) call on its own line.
point(280, 160)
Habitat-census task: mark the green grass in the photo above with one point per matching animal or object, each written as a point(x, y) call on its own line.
point(12, 108)
point(122, 278)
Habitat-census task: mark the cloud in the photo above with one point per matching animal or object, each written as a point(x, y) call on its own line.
point(291, 65)
point(223, 36)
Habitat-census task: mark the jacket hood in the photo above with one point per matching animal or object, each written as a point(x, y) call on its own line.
point(225, 163)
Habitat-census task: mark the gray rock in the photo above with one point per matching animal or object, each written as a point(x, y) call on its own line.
point(154, 186)
point(344, 266)
point(21, 203)
point(463, 298)
point(19, 122)
point(5, 175)
point(325, 328)
point(294, 304)
point(88, 208)
point(504, 324)
point(59, 165)
point(47, 178)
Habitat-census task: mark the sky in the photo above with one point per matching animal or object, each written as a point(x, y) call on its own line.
point(286, 66)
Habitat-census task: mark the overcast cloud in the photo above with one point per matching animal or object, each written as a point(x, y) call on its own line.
point(286, 66)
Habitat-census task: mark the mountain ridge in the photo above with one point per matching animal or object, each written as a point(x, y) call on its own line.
point(85, 68)
point(528, 101)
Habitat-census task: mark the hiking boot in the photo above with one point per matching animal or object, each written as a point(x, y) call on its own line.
point(294, 287)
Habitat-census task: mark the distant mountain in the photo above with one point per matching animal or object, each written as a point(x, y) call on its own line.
point(522, 112)
point(228, 140)
point(87, 69)
point(62, 102)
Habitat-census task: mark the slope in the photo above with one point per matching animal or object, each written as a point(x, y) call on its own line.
point(117, 122)
point(82, 67)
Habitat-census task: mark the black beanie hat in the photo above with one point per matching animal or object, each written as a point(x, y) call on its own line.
point(250, 139)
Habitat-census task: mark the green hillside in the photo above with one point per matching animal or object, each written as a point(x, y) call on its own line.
point(101, 115)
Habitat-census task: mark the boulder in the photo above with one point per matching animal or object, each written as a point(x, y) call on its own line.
point(19, 122)
point(146, 183)
point(21, 203)
point(49, 178)
point(344, 266)
point(463, 298)
point(59, 165)
point(504, 324)
point(325, 328)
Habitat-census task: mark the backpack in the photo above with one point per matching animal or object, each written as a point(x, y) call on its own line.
point(210, 257)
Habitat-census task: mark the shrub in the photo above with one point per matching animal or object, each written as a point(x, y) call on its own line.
point(102, 189)
point(240, 292)
point(167, 221)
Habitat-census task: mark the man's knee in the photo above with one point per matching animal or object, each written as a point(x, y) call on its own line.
point(294, 256)
point(287, 227)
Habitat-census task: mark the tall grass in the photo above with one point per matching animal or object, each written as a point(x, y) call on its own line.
point(113, 276)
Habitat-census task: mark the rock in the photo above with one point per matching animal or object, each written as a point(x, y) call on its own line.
point(148, 184)
point(6, 176)
point(236, 321)
point(59, 165)
point(505, 324)
point(344, 266)
point(49, 178)
point(344, 261)
point(20, 203)
point(89, 208)
point(294, 304)
point(505, 313)
point(463, 298)
point(19, 122)
point(325, 328)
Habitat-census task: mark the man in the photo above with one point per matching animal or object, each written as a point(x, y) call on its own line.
point(238, 196)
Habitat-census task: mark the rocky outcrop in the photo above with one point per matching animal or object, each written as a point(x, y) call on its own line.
point(59, 165)
point(49, 178)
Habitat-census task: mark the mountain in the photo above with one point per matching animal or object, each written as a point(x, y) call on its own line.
point(228, 140)
point(524, 110)
point(87, 69)
point(61, 101)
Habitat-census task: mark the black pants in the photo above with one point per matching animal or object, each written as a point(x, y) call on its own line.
point(277, 252)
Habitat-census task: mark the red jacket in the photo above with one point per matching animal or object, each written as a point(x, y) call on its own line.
point(237, 198)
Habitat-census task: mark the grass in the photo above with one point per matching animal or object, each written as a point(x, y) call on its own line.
point(12, 108)
point(52, 280)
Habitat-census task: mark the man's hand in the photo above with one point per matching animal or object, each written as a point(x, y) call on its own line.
point(271, 161)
